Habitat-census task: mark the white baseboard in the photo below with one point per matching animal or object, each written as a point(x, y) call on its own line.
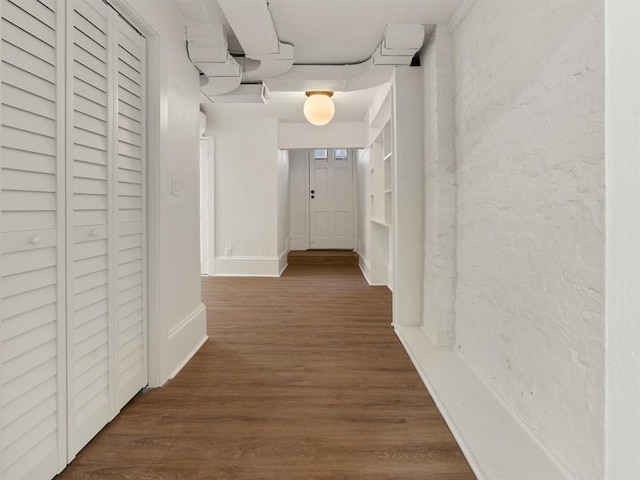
point(496, 445)
point(247, 267)
point(282, 260)
point(365, 268)
point(185, 339)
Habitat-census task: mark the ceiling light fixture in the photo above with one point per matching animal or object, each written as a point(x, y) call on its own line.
point(319, 108)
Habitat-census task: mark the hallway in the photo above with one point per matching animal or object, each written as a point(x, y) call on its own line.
point(302, 378)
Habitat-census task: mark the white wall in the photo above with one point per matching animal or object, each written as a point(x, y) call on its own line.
point(333, 135)
point(177, 318)
point(299, 199)
point(284, 211)
point(246, 195)
point(440, 191)
point(530, 219)
point(623, 239)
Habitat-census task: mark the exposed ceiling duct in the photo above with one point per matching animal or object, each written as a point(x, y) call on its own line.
point(269, 61)
point(265, 56)
point(208, 51)
point(399, 45)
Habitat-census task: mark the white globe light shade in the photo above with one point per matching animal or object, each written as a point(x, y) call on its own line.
point(319, 109)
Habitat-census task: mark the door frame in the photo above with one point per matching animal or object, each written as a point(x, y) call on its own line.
point(211, 208)
point(354, 191)
point(204, 207)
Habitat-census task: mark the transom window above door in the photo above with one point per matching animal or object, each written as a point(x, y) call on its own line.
point(321, 154)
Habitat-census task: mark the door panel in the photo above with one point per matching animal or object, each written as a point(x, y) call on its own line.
point(32, 264)
point(330, 199)
point(88, 265)
point(130, 266)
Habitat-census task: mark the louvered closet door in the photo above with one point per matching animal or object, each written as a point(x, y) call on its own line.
point(89, 246)
point(32, 264)
point(131, 356)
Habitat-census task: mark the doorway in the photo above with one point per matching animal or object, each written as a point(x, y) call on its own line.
point(331, 208)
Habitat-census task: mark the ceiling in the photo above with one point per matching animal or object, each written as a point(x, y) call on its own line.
point(348, 31)
point(324, 32)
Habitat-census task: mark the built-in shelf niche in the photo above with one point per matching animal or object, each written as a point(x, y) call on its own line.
point(381, 171)
point(382, 175)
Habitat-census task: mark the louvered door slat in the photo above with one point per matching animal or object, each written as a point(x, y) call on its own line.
point(33, 26)
point(19, 78)
point(32, 219)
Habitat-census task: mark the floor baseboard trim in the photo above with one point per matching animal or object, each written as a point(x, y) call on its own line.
point(496, 445)
point(185, 339)
point(365, 268)
point(282, 260)
point(189, 357)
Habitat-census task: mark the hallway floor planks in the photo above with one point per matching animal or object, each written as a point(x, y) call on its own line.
point(302, 378)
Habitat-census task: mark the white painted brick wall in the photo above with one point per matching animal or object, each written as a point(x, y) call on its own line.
point(440, 191)
point(530, 214)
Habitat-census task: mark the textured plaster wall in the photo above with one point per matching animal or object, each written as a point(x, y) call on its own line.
point(439, 188)
point(530, 216)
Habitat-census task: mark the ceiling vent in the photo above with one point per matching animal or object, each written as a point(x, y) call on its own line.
point(254, 93)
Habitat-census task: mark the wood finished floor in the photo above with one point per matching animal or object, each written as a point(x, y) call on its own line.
point(302, 378)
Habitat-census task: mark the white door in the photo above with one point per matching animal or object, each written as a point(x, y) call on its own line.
point(130, 266)
point(90, 219)
point(204, 206)
point(331, 199)
point(106, 218)
point(72, 223)
point(32, 246)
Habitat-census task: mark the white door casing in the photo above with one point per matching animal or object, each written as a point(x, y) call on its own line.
point(331, 199)
point(204, 206)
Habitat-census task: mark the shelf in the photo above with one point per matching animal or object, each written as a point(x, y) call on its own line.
point(380, 222)
point(386, 139)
